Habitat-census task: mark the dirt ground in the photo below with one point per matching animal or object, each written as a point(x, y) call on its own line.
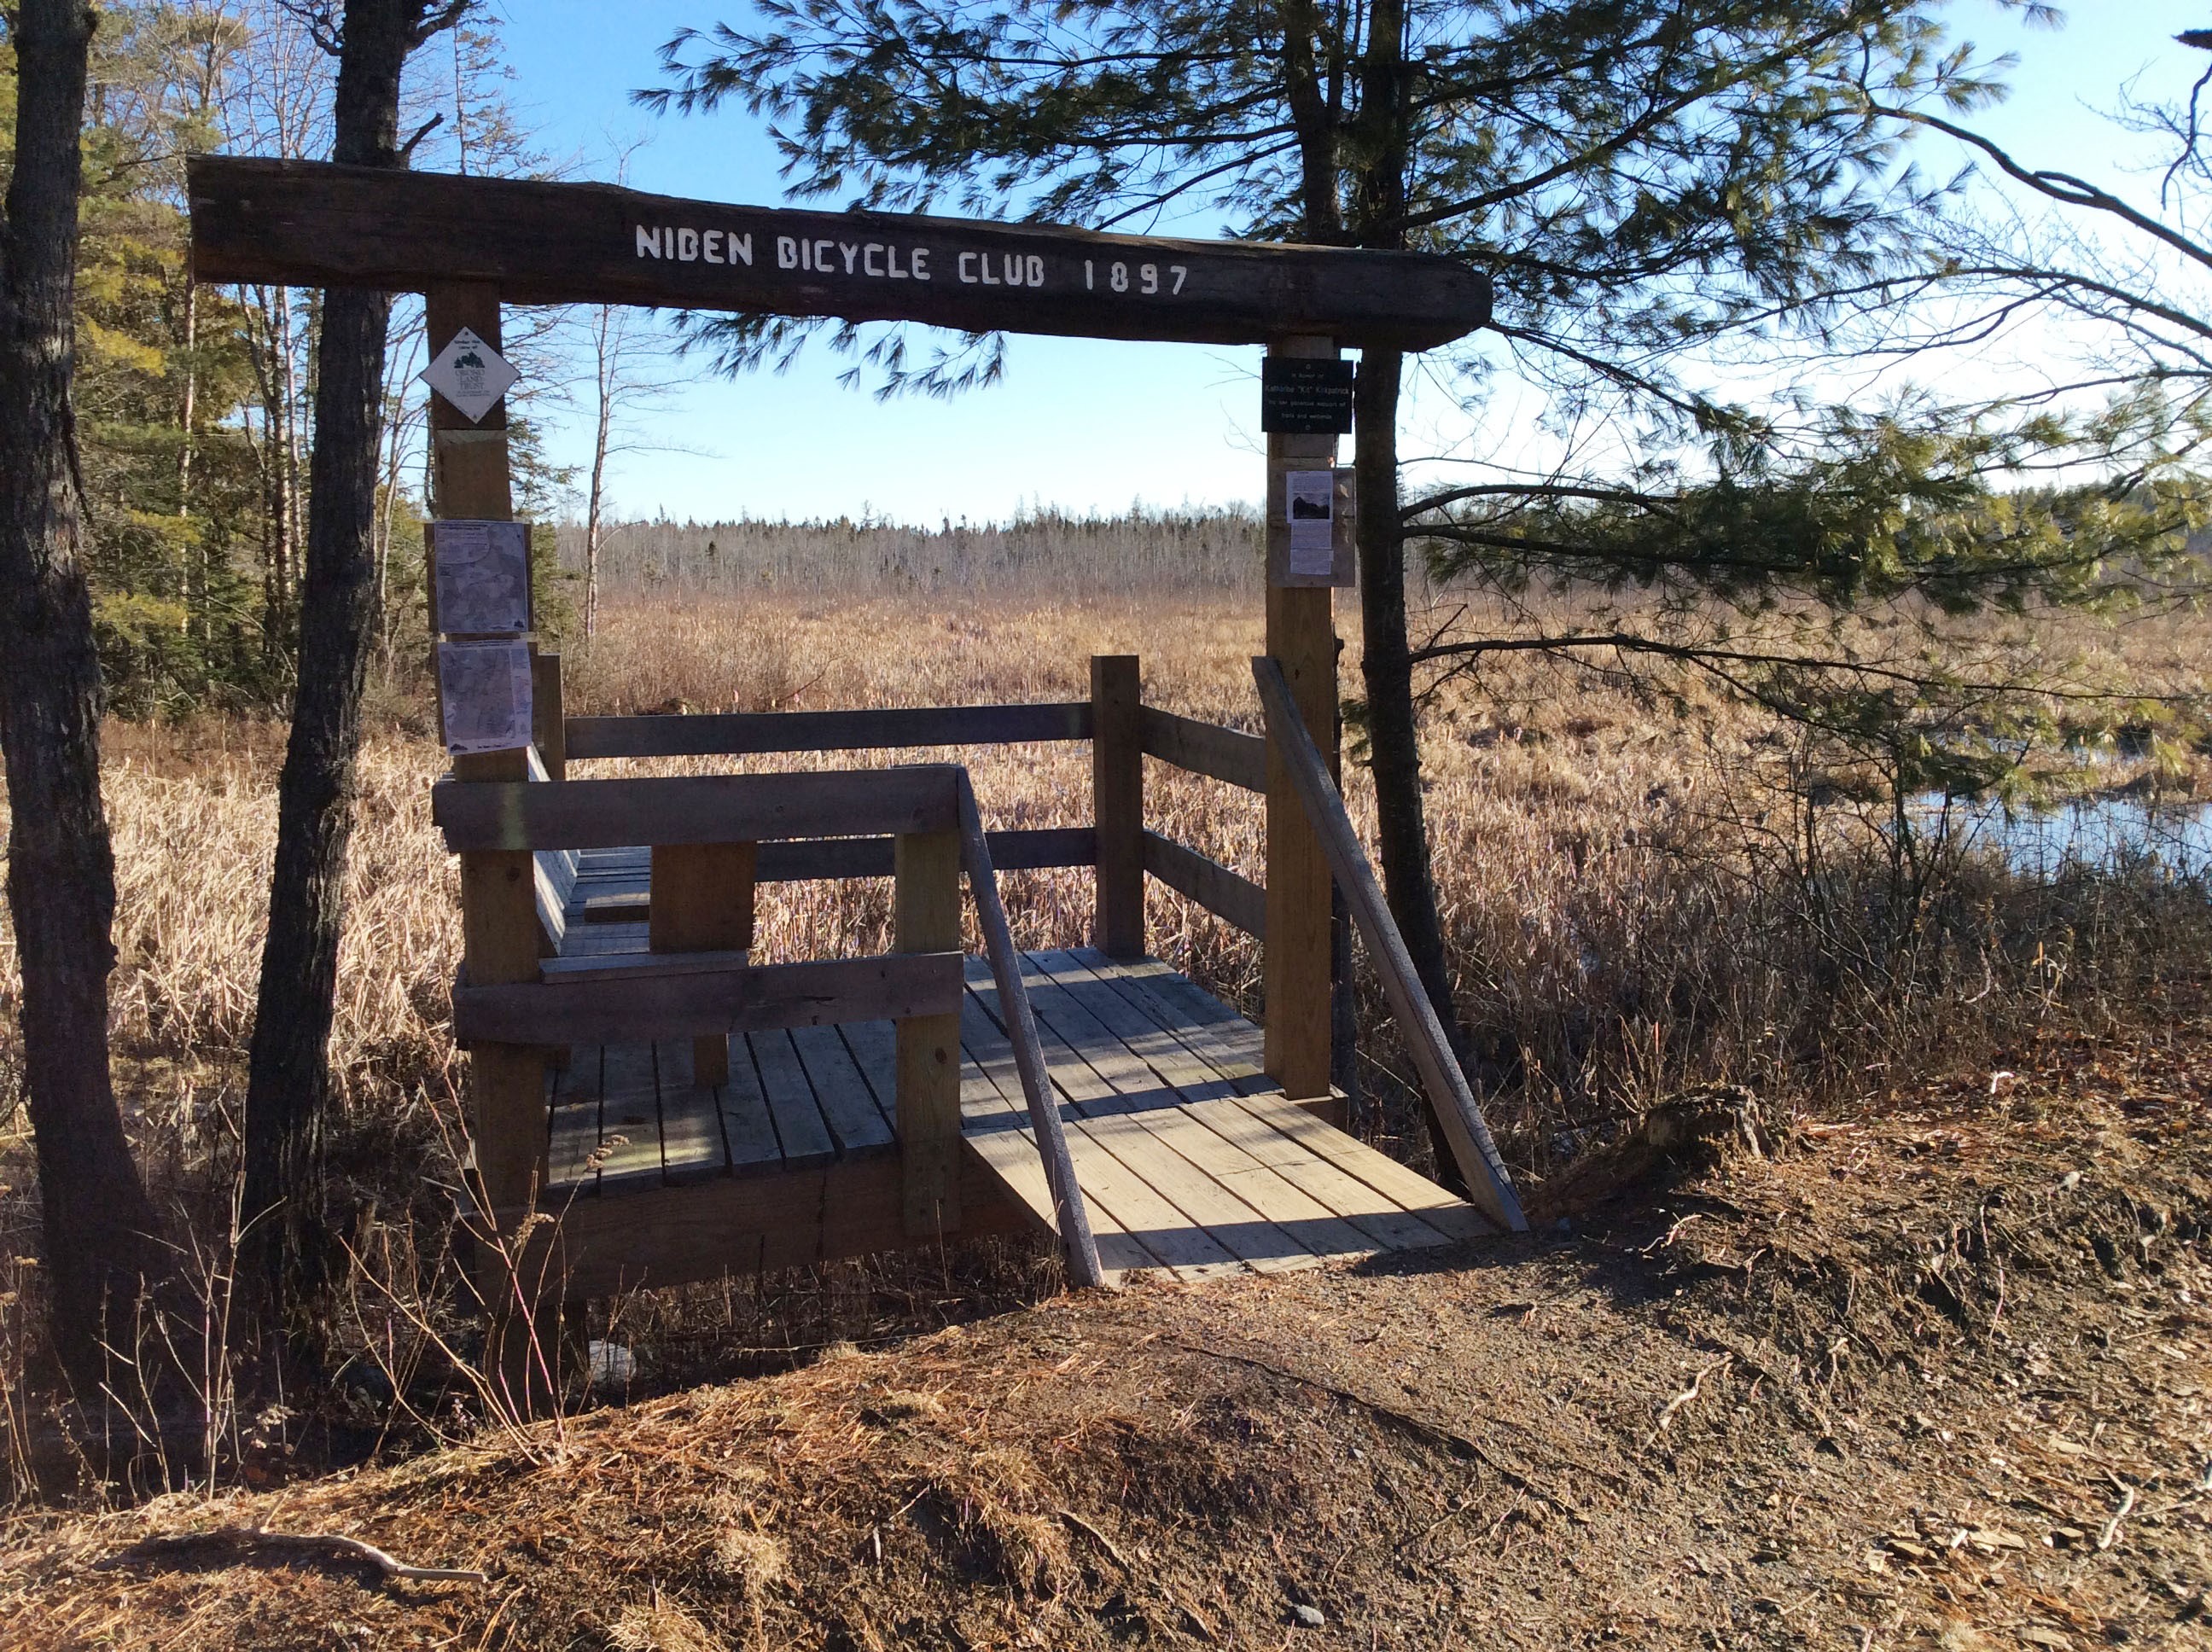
point(1933, 1374)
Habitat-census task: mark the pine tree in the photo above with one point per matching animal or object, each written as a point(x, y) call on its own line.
point(1650, 184)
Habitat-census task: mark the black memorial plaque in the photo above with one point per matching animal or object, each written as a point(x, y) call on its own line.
point(1305, 397)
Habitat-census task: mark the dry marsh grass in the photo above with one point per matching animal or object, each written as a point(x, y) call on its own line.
point(1639, 893)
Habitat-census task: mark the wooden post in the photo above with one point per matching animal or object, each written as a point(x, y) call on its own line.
point(549, 721)
point(1489, 1188)
point(499, 908)
point(499, 911)
point(700, 900)
point(1301, 635)
point(926, 918)
point(1117, 790)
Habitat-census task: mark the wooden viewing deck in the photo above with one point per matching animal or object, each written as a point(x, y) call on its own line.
point(1191, 1160)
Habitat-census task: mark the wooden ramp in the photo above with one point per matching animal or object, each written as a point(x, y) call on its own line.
point(1190, 1159)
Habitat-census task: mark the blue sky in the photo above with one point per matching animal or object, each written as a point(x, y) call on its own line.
point(1081, 424)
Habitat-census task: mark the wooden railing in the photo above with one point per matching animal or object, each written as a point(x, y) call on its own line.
point(1488, 1184)
point(743, 734)
point(709, 994)
point(1122, 730)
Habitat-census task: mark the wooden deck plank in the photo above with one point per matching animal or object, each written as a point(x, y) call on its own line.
point(1192, 1077)
point(1079, 1085)
point(1279, 1195)
point(1164, 1232)
point(1117, 1198)
point(1210, 1029)
point(748, 1130)
point(629, 1118)
point(1382, 1219)
point(691, 1146)
point(798, 1122)
point(595, 940)
point(572, 1124)
point(1148, 1179)
point(989, 1082)
point(1132, 1085)
point(1011, 1157)
point(1408, 1188)
point(874, 1046)
point(1146, 1145)
point(848, 1104)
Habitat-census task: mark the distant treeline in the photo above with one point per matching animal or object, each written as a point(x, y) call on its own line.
point(1049, 552)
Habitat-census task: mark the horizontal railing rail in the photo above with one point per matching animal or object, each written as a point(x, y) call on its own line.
point(639, 999)
point(1228, 896)
point(755, 733)
point(1221, 754)
point(612, 814)
point(1030, 849)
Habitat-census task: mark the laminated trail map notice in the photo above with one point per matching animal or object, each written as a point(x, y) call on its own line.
point(484, 576)
point(1310, 509)
point(485, 690)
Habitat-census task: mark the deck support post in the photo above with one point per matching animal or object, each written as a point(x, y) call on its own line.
point(1117, 790)
point(549, 719)
point(1301, 635)
point(700, 899)
point(499, 921)
point(926, 918)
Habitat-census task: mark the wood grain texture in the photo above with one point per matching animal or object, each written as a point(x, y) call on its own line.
point(702, 900)
point(708, 809)
point(848, 1105)
point(1223, 754)
point(636, 999)
point(800, 1125)
point(1301, 634)
point(926, 918)
point(499, 932)
point(1228, 896)
point(1117, 798)
point(1423, 1034)
point(1071, 1217)
point(743, 734)
point(547, 725)
point(744, 1225)
point(310, 223)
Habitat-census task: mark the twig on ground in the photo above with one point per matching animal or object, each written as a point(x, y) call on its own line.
point(1095, 1536)
point(1697, 1384)
point(2112, 1531)
point(350, 1548)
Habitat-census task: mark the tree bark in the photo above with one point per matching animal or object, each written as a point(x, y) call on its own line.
point(1380, 149)
point(289, 1086)
point(100, 1245)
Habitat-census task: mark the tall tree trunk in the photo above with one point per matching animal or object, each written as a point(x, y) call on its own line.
point(100, 1227)
point(1314, 116)
point(289, 1087)
point(1380, 158)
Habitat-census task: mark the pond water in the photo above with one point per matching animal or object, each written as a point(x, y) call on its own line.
point(2101, 833)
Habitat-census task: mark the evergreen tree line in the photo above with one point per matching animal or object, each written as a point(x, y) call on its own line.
point(194, 402)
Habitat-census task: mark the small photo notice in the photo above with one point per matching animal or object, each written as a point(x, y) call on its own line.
point(484, 576)
point(485, 688)
point(1310, 509)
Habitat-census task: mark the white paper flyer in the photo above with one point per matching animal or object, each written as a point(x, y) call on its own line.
point(484, 576)
point(485, 688)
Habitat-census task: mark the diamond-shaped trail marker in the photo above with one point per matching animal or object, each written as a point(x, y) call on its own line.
point(470, 374)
